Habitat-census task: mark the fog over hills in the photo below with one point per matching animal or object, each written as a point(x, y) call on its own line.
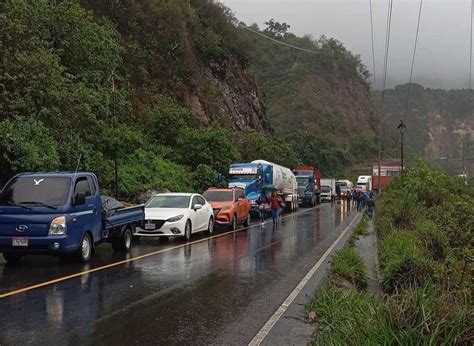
point(442, 59)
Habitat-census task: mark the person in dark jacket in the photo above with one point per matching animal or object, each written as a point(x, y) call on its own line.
point(263, 205)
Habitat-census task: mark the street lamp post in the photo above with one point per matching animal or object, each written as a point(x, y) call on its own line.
point(401, 127)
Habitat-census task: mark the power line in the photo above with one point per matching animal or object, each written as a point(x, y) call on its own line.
point(470, 64)
point(277, 41)
point(372, 37)
point(385, 66)
point(413, 59)
point(387, 47)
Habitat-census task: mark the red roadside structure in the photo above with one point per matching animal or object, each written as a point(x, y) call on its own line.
point(387, 172)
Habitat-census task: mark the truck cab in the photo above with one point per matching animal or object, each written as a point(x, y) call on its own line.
point(59, 213)
point(309, 185)
point(251, 177)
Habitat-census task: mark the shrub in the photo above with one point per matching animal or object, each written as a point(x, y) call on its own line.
point(402, 262)
point(27, 145)
point(143, 170)
point(205, 177)
point(212, 147)
point(433, 239)
point(349, 265)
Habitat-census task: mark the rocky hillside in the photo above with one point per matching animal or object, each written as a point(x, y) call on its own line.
point(325, 92)
point(189, 50)
point(437, 120)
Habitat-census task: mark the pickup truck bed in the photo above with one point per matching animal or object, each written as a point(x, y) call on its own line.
point(124, 216)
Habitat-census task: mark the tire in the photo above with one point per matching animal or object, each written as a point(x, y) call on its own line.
point(12, 258)
point(84, 252)
point(123, 242)
point(188, 231)
point(210, 226)
point(246, 223)
point(233, 223)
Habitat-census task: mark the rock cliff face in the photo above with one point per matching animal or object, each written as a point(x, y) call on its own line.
point(227, 95)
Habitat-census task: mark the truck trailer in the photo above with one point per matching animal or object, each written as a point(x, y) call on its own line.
point(260, 175)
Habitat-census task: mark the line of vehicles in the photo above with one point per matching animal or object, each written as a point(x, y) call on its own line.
point(64, 213)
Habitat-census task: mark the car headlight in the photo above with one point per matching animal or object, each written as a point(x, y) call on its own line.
point(175, 218)
point(58, 226)
point(226, 207)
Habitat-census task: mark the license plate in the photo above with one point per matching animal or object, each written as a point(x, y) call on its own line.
point(20, 242)
point(150, 226)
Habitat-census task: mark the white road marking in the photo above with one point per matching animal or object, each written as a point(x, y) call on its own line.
point(262, 333)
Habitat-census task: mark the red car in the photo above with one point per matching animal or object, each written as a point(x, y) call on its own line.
point(230, 206)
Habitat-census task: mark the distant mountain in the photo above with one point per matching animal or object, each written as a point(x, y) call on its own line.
point(438, 121)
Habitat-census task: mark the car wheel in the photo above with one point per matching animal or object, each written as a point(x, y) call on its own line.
point(210, 227)
point(188, 231)
point(12, 258)
point(124, 242)
point(233, 223)
point(247, 220)
point(84, 252)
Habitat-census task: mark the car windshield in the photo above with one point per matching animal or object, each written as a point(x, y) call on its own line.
point(168, 202)
point(302, 181)
point(344, 189)
point(218, 196)
point(325, 188)
point(31, 191)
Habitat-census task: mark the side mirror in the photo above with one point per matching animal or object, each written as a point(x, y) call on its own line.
point(79, 199)
point(197, 207)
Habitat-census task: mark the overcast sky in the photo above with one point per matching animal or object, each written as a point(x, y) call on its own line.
point(442, 58)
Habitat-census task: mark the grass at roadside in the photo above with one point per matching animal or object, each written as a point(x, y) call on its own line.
point(425, 236)
point(360, 230)
point(348, 265)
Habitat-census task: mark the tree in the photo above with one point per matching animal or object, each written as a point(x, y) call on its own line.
point(27, 145)
point(212, 147)
point(276, 29)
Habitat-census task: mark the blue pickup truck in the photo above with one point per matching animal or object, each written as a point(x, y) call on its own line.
point(61, 213)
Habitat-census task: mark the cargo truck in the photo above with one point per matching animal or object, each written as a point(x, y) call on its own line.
point(61, 213)
point(309, 185)
point(364, 182)
point(260, 175)
point(328, 189)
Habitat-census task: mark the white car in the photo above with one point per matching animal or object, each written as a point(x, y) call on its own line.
point(176, 215)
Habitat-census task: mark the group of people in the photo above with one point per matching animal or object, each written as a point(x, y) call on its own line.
point(274, 203)
point(361, 200)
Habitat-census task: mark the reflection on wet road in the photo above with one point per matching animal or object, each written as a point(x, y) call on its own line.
point(219, 290)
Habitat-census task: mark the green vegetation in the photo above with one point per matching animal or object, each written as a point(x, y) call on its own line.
point(424, 224)
point(361, 230)
point(347, 264)
point(111, 81)
point(316, 95)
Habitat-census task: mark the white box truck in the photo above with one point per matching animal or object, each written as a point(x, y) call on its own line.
point(328, 189)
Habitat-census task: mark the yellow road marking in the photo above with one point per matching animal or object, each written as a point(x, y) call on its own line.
point(115, 264)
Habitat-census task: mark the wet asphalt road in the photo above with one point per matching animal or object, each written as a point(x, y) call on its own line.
point(216, 291)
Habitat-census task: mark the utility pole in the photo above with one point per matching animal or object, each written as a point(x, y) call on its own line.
point(401, 127)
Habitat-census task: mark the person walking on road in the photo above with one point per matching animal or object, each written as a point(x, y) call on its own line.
point(263, 203)
point(275, 204)
point(358, 200)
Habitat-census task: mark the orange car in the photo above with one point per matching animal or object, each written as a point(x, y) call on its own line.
point(230, 206)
